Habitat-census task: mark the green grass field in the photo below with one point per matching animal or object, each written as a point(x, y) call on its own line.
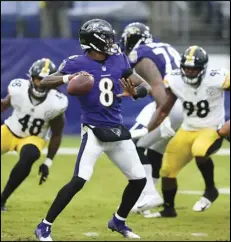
point(91, 209)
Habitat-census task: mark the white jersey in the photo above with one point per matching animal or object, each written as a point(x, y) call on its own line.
point(28, 119)
point(203, 107)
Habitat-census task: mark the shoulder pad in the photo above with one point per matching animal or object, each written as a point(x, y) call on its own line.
point(60, 95)
point(17, 85)
point(56, 94)
point(59, 102)
point(221, 77)
point(70, 58)
point(217, 75)
point(217, 72)
point(18, 82)
point(169, 78)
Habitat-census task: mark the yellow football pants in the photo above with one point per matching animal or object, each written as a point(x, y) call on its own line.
point(10, 142)
point(188, 144)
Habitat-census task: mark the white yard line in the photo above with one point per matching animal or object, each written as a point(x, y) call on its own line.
point(225, 191)
point(199, 234)
point(91, 234)
point(74, 151)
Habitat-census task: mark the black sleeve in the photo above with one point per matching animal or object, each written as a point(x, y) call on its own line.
point(127, 73)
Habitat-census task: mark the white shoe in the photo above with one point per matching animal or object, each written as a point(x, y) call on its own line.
point(150, 201)
point(135, 208)
point(153, 215)
point(165, 213)
point(202, 205)
point(137, 211)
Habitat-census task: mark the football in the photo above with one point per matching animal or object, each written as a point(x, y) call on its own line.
point(80, 85)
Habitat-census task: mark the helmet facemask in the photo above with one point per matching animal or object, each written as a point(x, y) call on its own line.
point(129, 43)
point(193, 75)
point(37, 92)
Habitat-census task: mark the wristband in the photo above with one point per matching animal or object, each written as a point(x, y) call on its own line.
point(66, 79)
point(48, 162)
point(141, 91)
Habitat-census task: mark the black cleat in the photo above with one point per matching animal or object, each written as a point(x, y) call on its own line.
point(166, 213)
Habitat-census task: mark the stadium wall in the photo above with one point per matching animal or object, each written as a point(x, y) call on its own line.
point(17, 55)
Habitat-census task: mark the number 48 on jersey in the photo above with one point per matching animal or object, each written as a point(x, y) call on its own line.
point(36, 126)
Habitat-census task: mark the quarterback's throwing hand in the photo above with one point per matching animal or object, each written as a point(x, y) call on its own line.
point(129, 88)
point(44, 172)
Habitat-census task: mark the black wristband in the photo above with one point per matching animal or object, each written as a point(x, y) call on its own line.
point(141, 92)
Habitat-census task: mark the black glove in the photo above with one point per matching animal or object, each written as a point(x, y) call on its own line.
point(44, 170)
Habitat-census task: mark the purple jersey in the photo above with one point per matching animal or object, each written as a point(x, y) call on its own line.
point(100, 107)
point(163, 55)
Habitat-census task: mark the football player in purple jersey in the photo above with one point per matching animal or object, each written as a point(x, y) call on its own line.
point(102, 122)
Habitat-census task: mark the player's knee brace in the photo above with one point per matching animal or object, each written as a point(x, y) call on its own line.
point(143, 158)
point(138, 184)
point(76, 183)
point(155, 159)
point(29, 154)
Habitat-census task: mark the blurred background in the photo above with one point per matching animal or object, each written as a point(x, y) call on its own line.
point(35, 29)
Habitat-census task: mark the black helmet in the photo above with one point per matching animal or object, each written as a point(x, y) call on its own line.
point(40, 69)
point(98, 35)
point(133, 35)
point(193, 65)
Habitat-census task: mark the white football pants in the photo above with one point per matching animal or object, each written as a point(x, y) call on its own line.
point(122, 153)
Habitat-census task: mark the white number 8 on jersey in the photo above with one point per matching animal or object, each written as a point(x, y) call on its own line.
point(106, 95)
